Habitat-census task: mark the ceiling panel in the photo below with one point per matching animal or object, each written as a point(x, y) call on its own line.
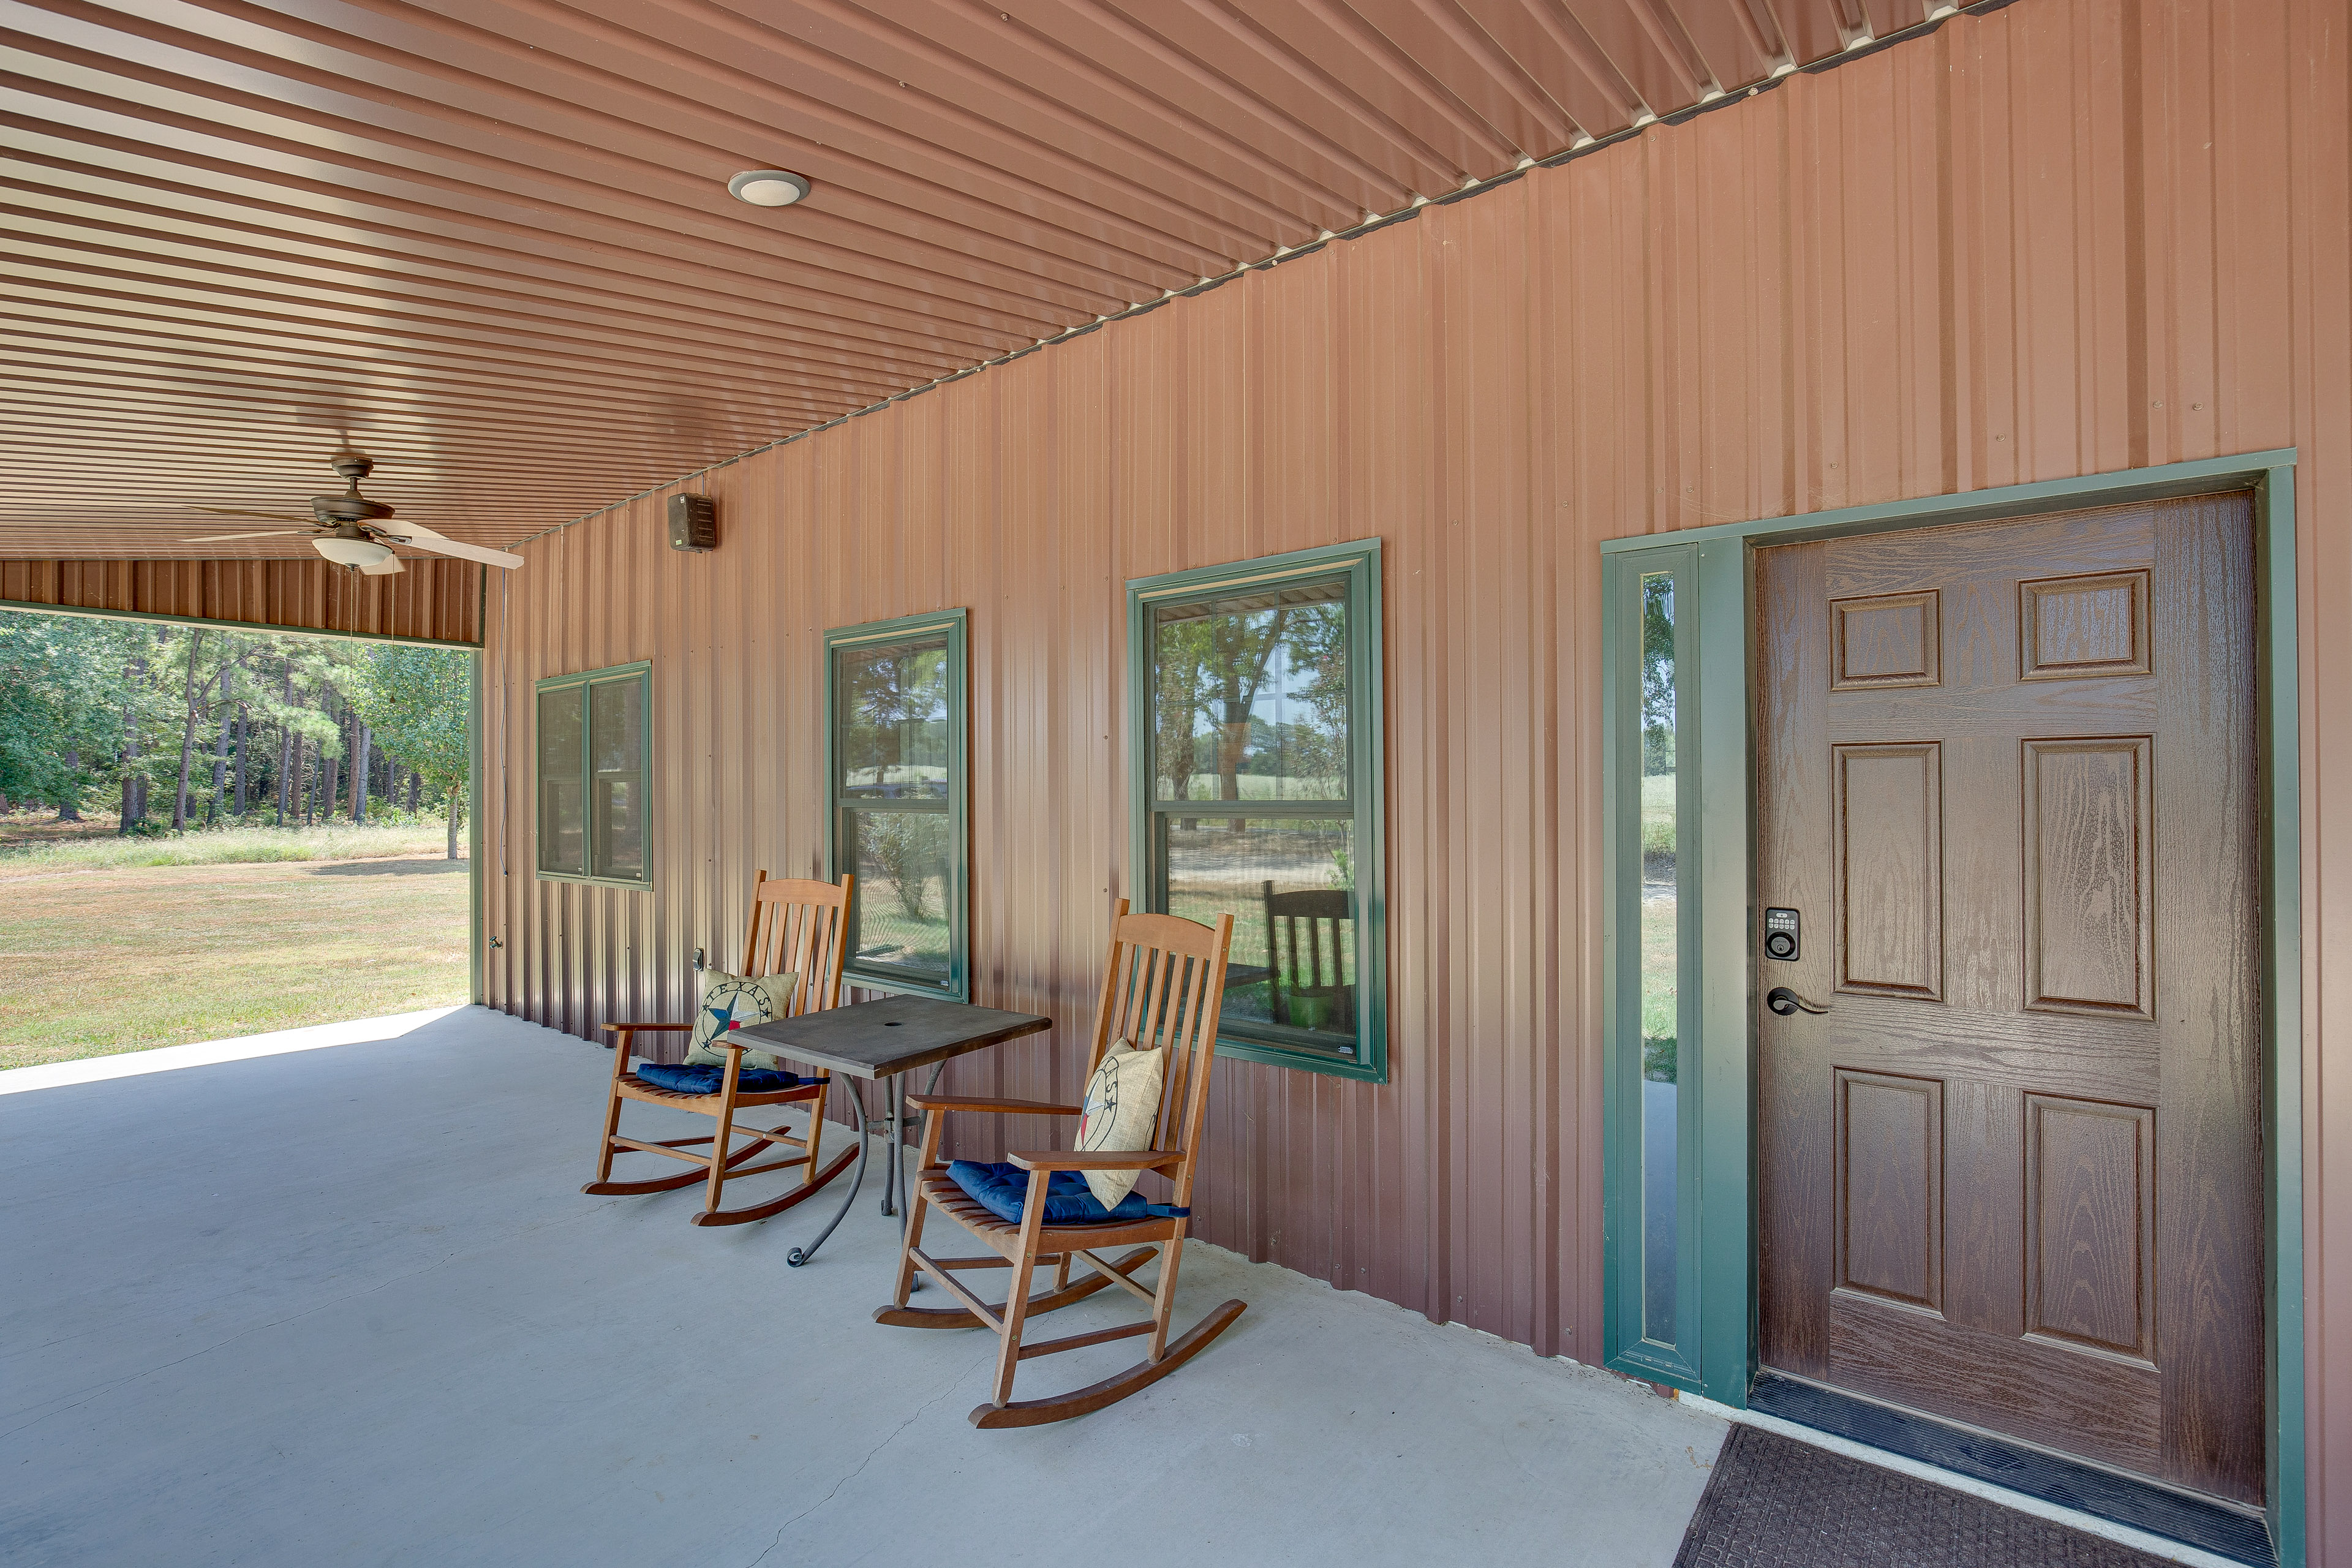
point(489, 241)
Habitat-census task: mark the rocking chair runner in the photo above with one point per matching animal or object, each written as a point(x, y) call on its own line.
point(796, 927)
point(1163, 986)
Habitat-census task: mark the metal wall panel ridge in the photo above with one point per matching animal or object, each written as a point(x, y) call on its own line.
point(433, 600)
point(2064, 238)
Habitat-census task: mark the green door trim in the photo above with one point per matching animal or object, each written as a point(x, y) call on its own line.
point(1717, 1176)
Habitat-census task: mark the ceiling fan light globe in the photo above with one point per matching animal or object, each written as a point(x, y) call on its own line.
point(351, 551)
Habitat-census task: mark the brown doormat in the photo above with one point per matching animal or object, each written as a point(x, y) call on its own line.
point(1774, 1502)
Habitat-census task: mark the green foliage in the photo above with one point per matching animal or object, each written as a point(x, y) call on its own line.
point(417, 702)
point(909, 847)
point(96, 712)
point(1658, 1063)
point(1658, 674)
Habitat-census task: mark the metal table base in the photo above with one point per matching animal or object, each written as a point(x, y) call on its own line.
point(894, 1182)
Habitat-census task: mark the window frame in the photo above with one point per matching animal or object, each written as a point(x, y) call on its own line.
point(956, 624)
point(1360, 563)
point(587, 681)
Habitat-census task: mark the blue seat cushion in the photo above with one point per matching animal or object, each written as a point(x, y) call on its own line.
point(1002, 1190)
point(685, 1079)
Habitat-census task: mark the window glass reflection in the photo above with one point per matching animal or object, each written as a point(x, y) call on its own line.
point(1290, 885)
point(1660, 960)
point(1250, 696)
point(890, 711)
point(904, 882)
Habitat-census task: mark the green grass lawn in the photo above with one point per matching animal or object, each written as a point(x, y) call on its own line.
point(104, 957)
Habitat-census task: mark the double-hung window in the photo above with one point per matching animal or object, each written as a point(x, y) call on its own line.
point(1256, 760)
point(594, 799)
point(896, 788)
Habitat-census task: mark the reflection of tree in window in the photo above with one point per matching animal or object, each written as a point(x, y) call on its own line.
point(897, 711)
point(1658, 675)
point(1253, 688)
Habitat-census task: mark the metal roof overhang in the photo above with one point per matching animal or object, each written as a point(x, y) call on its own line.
point(490, 240)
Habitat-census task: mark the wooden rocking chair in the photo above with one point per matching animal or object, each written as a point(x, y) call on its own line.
point(1163, 984)
point(795, 926)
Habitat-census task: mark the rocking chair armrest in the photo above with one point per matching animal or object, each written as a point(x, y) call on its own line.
point(1066, 1160)
point(650, 1028)
point(1010, 1106)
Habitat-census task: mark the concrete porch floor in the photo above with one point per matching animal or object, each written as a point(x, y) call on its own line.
point(348, 1305)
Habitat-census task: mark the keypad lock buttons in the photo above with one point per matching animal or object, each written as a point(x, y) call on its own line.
point(1782, 937)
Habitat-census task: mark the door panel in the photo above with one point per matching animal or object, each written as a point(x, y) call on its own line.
point(2014, 1177)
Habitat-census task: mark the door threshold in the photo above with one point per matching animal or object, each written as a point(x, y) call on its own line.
point(2210, 1524)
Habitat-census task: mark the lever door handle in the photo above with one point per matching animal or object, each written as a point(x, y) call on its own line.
point(1784, 1002)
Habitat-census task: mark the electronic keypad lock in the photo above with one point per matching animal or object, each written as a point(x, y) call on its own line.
point(1781, 934)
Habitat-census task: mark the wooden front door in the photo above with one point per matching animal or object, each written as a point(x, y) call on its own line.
point(2013, 1177)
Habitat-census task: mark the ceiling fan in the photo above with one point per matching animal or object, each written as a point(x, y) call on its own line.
point(349, 530)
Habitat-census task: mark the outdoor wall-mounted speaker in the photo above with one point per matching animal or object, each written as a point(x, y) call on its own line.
point(693, 523)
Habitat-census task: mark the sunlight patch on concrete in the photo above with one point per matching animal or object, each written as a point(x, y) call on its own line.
point(207, 1053)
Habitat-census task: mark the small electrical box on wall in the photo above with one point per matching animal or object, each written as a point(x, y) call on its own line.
point(693, 523)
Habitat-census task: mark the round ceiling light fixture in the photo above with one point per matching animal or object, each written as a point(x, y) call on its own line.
point(768, 187)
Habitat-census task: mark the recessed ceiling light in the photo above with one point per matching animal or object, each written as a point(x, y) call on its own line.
point(768, 187)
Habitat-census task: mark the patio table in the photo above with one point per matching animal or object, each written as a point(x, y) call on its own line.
point(882, 1041)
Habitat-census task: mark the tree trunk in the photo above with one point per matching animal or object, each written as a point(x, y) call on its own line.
point(412, 778)
point(287, 767)
point(68, 809)
point(453, 823)
point(187, 732)
point(244, 733)
point(220, 761)
point(359, 770)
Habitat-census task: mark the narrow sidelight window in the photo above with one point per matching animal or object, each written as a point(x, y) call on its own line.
point(1257, 763)
point(1651, 1075)
point(594, 805)
point(897, 787)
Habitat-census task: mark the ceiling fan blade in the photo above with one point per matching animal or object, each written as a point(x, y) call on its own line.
point(383, 568)
point(422, 538)
point(225, 538)
point(248, 511)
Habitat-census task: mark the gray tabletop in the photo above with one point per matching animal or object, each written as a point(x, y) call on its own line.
point(876, 1039)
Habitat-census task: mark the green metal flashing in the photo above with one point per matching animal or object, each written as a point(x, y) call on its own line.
point(642, 669)
point(476, 750)
point(2278, 757)
point(956, 624)
point(1717, 1181)
point(2202, 478)
point(1367, 766)
point(259, 628)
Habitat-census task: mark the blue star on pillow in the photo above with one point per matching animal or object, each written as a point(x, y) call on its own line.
point(735, 1002)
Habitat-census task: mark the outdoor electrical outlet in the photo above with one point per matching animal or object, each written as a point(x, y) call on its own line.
point(698, 961)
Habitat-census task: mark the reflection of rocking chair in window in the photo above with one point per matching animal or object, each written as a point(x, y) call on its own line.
point(795, 928)
point(1303, 945)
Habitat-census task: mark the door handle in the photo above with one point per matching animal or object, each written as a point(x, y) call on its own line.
point(1785, 1002)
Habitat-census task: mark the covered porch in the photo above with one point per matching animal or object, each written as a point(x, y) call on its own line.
point(344, 1302)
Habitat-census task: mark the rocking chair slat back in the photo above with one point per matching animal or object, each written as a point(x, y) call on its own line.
point(1165, 987)
point(798, 927)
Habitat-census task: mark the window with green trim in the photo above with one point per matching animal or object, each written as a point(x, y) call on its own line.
point(594, 786)
point(1256, 756)
point(896, 796)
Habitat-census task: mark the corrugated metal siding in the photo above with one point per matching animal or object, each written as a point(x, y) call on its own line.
point(430, 601)
point(2066, 238)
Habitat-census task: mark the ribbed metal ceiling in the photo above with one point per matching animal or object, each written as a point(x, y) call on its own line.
point(490, 242)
